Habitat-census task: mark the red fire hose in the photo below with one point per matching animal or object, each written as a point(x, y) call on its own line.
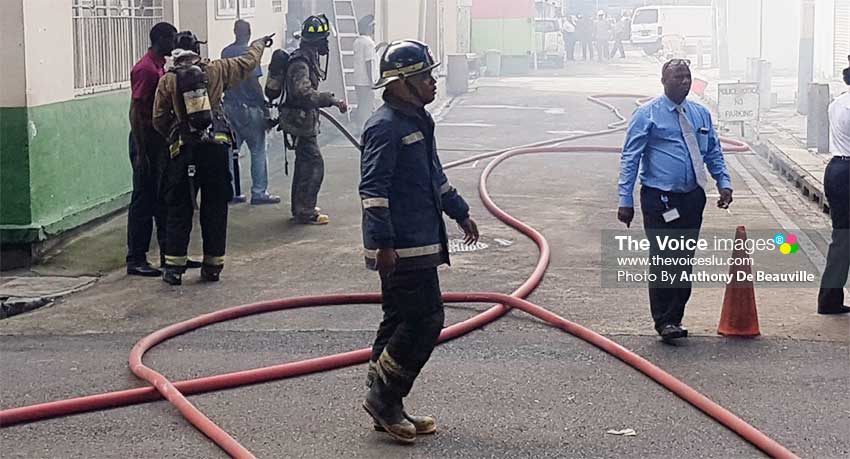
point(176, 392)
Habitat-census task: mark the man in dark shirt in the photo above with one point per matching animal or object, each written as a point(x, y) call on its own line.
point(245, 108)
point(147, 154)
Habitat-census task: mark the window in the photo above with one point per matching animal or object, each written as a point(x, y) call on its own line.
point(646, 17)
point(109, 37)
point(277, 6)
point(546, 26)
point(226, 9)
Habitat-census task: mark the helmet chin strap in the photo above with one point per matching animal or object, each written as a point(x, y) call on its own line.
point(413, 91)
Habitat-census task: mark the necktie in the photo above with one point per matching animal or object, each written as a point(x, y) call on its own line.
point(693, 148)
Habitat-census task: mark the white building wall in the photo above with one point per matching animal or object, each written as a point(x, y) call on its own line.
point(13, 75)
point(49, 52)
point(781, 32)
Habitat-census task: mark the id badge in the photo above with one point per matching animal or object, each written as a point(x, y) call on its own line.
point(671, 215)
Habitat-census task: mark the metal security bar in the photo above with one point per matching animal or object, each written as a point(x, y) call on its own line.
point(109, 37)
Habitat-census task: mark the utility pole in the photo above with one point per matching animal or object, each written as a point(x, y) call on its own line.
point(761, 30)
point(806, 64)
point(723, 40)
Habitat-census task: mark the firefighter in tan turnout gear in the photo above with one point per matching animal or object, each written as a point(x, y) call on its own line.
point(188, 113)
point(295, 79)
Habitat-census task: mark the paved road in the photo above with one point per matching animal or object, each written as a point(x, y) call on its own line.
point(515, 389)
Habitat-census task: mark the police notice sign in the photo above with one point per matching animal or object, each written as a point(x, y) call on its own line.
point(738, 101)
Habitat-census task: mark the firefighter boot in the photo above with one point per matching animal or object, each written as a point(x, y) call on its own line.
point(211, 273)
point(384, 405)
point(425, 425)
point(172, 275)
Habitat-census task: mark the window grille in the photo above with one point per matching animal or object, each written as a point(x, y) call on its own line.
point(109, 37)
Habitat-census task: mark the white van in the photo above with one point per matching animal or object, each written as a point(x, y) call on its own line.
point(652, 23)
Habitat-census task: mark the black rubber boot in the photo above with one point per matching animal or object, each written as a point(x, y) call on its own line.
point(172, 276)
point(210, 273)
point(425, 425)
point(384, 405)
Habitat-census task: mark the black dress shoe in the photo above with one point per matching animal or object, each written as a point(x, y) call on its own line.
point(144, 270)
point(671, 332)
point(832, 311)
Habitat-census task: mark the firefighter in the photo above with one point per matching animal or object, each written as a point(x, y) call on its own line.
point(299, 117)
point(404, 193)
point(188, 113)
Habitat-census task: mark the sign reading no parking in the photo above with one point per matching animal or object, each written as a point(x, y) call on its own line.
point(738, 102)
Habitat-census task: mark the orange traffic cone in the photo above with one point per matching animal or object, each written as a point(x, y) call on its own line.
point(739, 316)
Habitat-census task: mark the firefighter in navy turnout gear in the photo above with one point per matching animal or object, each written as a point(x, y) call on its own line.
point(299, 115)
point(188, 113)
point(404, 193)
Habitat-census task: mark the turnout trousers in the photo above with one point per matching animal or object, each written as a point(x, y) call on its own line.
point(413, 318)
point(837, 188)
point(667, 301)
point(307, 178)
point(212, 180)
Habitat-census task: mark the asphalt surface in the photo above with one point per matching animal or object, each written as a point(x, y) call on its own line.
point(514, 389)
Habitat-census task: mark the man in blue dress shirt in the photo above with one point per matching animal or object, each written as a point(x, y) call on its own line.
point(670, 142)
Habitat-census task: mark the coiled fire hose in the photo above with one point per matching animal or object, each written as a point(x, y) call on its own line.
point(176, 392)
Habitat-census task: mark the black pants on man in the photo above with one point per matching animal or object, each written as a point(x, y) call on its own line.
point(587, 49)
point(570, 45)
point(667, 302)
point(413, 318)
point(837, 187)
point(307, 178)
point(618, 48)
point(146, 207)
point(212, 180)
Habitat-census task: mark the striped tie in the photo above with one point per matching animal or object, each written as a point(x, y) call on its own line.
point(693, 148)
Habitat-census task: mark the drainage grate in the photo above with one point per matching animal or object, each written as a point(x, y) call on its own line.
point(458, 246)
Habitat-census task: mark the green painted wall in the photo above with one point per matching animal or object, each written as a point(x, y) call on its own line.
point(71, 164)
point(511, 36)
point(78, 157)
point(14, 167)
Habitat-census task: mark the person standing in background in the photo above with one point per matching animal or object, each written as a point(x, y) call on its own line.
point(602, 35)
point(836, 184)
point(569, 33)
point(364, 71)
point(622, 32)
point(584, 33)
point(245, 108)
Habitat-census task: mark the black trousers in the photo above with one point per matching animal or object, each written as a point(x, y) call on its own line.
point(146, 207)
point(212, 181)
point(587, 49)
point(618, 47)
point(307, 178)
point(413, 318)
point(837, 188)
point(666, 301)
point(570, 45)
